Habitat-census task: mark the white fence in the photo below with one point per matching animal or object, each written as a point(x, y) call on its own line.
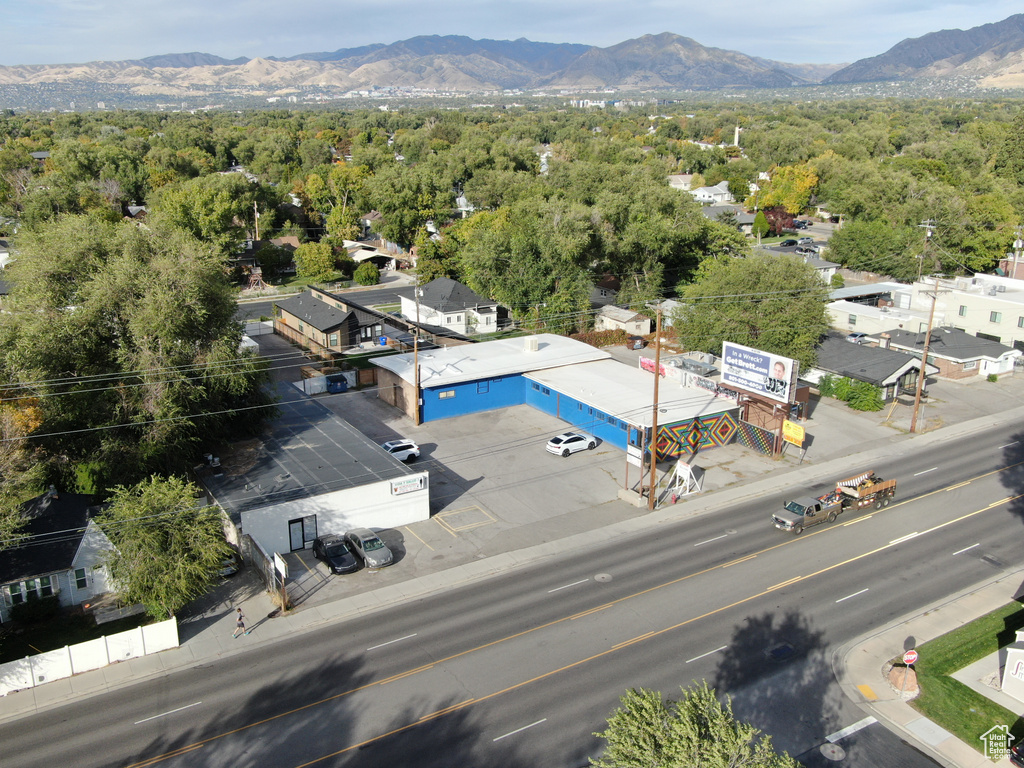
point(83, 657)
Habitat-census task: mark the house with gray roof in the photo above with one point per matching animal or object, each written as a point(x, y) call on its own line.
point(958, 354)
point(891, 371)
point(327, 323)
point(448, 304)
point(63, 555)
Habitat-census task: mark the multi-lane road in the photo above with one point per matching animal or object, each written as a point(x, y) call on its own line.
point(521, 669)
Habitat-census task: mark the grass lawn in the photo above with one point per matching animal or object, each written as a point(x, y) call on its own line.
point(60, 631)
point(948, 702)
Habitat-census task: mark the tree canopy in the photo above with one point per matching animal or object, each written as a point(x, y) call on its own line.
point(647, 731)
point(772, 303)
point(167, 549)
point(123, 340)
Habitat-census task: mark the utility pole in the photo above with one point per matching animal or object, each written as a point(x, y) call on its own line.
point(927, 336)
point(256, 218)
point(654, 410)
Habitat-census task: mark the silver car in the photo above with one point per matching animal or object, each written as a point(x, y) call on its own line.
point(368, 546)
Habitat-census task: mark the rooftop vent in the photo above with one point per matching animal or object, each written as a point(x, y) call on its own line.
point(530, 344)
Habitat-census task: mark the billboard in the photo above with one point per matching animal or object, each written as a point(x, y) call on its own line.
point(761, 373)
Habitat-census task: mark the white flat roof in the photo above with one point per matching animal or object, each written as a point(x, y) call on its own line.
point(488, 359)
point(627, 393)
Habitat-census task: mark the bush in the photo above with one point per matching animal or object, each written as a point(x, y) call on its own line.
point(992, 377)
point(36, 611)
point(827, 385)
point(602, 338)
point(367, 273)
point(865, 397)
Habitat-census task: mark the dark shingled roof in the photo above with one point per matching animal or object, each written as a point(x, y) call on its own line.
point(447, 295)
point(56, 526)
point(950, 343)
point(318, 314)
point(862, 362)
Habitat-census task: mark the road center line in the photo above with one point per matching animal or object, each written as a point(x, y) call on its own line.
point(707, 654)
point(925, 472)
point(849, 596)
point(965, 549)
point(901, 539)
point(850, 729)
point(389, 642)
point(710, 540)
point(164, 714)
point(581, 581)
point(520, 730)
point(1015, 442)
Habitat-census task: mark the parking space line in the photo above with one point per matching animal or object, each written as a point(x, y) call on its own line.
point(482, 517)
point(410, 530)
point(445, 526)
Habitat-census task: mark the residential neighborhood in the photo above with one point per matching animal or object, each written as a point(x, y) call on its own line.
point(331, 409)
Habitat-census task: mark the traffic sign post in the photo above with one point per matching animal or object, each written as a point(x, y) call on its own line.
point(908, 659)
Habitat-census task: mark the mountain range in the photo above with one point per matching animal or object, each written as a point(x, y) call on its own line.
point(990, 56)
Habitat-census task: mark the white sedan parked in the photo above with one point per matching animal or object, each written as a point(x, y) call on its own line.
point(571, 442)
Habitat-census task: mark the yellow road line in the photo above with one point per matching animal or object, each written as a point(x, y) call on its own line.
point(523, 633)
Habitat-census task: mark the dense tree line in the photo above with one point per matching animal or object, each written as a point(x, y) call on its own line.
point(548, 202)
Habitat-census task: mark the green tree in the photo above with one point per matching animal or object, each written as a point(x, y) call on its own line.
point(130, 337)
point(367, 273)
point(167, 548)
point(315, 261)
point(761, 226)
point(773, 303)
point(697, 730)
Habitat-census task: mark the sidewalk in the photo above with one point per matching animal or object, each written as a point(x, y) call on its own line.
point(841, 438)
point(858, 667)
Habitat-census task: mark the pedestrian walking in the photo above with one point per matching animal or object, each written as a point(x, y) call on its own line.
point(239, 623)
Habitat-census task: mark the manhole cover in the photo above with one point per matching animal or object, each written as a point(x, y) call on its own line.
point(780, 652)
point(603, 577)
point(833, 752)
point(731, 531)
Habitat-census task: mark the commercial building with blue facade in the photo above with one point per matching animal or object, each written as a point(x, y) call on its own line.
point(570, 380)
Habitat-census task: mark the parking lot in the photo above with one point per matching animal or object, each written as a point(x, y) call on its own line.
point(493, 489)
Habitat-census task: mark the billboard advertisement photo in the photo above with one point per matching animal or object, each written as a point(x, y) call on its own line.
point(760, 373)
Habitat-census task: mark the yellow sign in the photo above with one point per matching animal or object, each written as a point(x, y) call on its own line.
point(792, 433)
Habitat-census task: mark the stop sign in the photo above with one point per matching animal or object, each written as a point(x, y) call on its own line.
point(909, 657)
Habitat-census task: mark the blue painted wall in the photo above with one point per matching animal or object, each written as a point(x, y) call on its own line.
point(580, 415)
point(472, 397)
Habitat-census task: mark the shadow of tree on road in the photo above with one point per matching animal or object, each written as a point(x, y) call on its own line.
point(777, 671)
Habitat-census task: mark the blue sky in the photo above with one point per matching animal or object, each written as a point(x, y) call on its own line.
point(839, 31)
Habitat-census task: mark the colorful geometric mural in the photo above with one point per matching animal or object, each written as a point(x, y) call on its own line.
point(693, 435)
point(756, 438)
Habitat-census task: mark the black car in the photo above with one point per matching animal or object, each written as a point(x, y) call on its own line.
point(1017, 754)
point(336, 554)
point(787, 243)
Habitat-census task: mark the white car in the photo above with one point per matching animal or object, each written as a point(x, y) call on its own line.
point(571, 442)
point(403, 450)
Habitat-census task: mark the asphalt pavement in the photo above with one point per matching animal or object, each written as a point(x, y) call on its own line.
point(839, 438)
